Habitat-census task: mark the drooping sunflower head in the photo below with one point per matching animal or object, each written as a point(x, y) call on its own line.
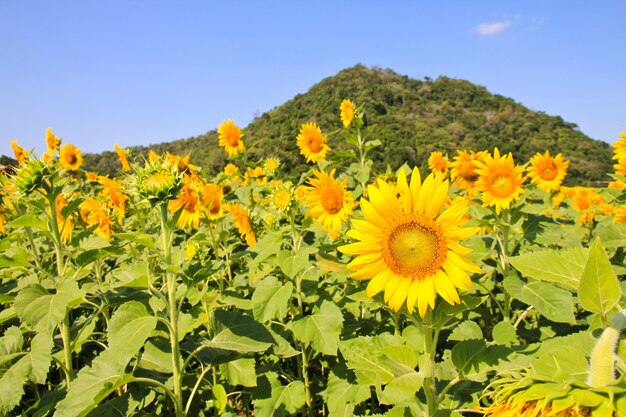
point(346, 109)
point(187, 203)
point(409, 243)
point(21, 155)
point(121, 154)
point(547, 171)
point(312, 142)
point(241, 219)
point(94, 213)
point(500, 180)
point(70, 157)
point(463, 169)
point(158, 181)
point(52, 141)
point(229, 136)
point(438, 162)
point(329, 201)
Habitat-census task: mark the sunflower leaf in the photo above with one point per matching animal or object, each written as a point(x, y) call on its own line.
point(599, 289)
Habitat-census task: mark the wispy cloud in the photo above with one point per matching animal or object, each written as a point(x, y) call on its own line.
point(488, 29)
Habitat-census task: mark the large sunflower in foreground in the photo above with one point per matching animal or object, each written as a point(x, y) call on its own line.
point(409, 245)
point(547, 171)
point(499, 180)
point(229, 136)
point(620, 147)
point(312, 142)
point(329, 201)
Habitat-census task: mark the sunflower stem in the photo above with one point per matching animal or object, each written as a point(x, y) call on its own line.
point(428, 363)
point(503, 242)
point(172, 307)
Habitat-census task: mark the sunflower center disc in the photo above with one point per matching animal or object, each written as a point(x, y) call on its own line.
point(415, 248)
point(71, 158)
point(467, 171)
point(502, 186)
point(549, 172)
point(332, 200)
point(315, 144)
point(232, 139)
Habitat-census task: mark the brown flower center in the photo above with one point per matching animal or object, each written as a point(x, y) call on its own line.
point(414, 246)
point(331, 198)
point(549, 171)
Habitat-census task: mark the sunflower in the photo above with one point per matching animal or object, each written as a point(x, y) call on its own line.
point(20, 153)
point(52, 141)
point(230, 137)
point(346, 109)
point(620, 147)
point(620, 214)
point(212, 198)
point(547, 171)
point(499, 180)
point(114, 195)
point(189, 201)
point(271, 164)
point(121, 153)
point(438, 162)
point(230, 169)
point(158, 181)
point(463, 169)
point(620, 167)
point(94, 214)
point(242, 223)
point(329, 201)
point(70, 157)
point(408, 246)
point(65, 224)
point(281, 198)
point(312, 142)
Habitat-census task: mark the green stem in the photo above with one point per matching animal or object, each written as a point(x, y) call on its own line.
point(503, 242)
point(170, 281)
point(303, 359)
point(428, 364)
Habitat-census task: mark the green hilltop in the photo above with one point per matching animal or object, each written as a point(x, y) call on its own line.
point(410, 117)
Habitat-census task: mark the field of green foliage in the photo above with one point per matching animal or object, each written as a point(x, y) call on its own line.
point(482, 287)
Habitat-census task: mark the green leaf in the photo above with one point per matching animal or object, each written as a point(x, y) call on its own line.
point(240, 372)
point(29, 220)
point(129, 328)
point(599, 289)
point(122, 406)
point(339, 393)
point(504, 333)
point(12, 381)
point(270, 299)
point(221, 399)
point(271, 399)
point(560, 267)
point(466, 330)
point(554, 303)
point(612, 235)
point(292, 263)
point(142, 239)
point(474, 358)
point(240, 333)
point(322, 329)
point(561, 365)
point(43, 310)
point(401, 361)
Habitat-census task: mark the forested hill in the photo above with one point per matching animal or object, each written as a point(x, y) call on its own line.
point(411, 117)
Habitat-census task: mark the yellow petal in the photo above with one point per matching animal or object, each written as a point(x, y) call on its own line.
point(379, 282)
point(445, 288)
point(399, 295)
point(391, 287)
point(412, 295)
point(372, 215)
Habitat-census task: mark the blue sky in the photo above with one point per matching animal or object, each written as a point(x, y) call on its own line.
point(141, 72)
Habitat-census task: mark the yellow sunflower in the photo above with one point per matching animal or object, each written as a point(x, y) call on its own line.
point(20, 153)
point(65, 224)
point(438, 162)
point(230, 138)
point(329, 201)
point(70, 157)
point(121, 153)
point(271, 164)
point(282, 197)
point(499, 180)
point(620, 214)
point(408, 246)
point(230, 169)
point(547, 171)
point(212, 198)
point(620, 147)
point(189, 201)
point(346, 109)
point(94, 214)
point(242, 223)
point(463, 169)
point(114, 195)
point(52, 141)
point(620, 167)
point(312, 142)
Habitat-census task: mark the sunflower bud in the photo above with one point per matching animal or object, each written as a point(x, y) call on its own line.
point(31, 176)
point(159, 182)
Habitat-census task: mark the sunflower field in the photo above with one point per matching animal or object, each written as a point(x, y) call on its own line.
point(482, 287)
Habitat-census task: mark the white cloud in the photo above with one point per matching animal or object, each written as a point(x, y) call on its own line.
point(488, 29)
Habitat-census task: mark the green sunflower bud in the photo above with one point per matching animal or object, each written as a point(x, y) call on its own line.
point(31, 176)
point(159, 182)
